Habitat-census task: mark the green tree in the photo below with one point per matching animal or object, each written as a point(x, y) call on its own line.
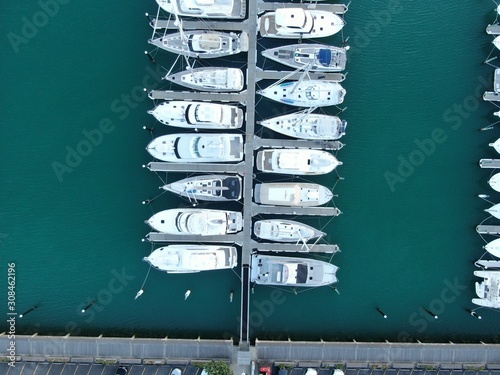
point(217, 368)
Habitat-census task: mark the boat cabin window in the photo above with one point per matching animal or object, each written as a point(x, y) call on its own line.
point(301, 274)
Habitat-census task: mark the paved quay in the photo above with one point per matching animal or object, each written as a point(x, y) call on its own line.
point(48, 355)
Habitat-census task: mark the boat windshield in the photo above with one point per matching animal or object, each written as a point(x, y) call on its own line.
point(312, 93)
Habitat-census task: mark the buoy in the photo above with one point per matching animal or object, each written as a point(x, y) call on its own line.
point(431, 313)
point(27, 312)
point(88, 306)
point(186, 295)
point(231, 295)
point(382, 313)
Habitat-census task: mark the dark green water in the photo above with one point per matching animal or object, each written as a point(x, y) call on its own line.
point(71, 232)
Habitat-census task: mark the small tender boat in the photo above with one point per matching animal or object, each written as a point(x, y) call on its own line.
point(198, 115)
point(494, 210)
point(494, 182)
point(306, 93)
point(496, 145)
point(208, 187)
point(219, 79)
point(204, 44)
point(307, 125)
point(488, 290)
point(285, 231)
point(297, 23)
point(196, 221)
point(296, 161)
point(289, 271)
point(192, 258)
point(300, 194)
point(314, 57)
point(197, 148)
point(205, 8)
point(493, 247)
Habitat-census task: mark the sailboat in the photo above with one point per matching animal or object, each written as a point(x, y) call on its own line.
point(306, 93)
point(203, 44)
point(315, 57)
point(219, 188)
point(306, 125)
point(219, 79)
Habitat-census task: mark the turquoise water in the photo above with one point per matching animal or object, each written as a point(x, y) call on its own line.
point(72, 224)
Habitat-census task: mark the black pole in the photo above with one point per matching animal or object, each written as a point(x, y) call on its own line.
point(27, 312)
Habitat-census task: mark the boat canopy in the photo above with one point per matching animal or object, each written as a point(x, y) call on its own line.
point(325, 56)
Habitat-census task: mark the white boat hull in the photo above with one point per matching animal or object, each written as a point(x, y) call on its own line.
point(306, 93)
point(198, 115)
point(296, 161)
point(202, 44)
point(285, 231)
point(198, 222)
point(192, 258)
point(496, 145)
point(298, 23)
point(305, 125)
point(494, 182)
point(197, 148)
point(493, 247)
point(217, 79)
point(235, 9)
point(218, 188)
point(289, 271)
point(313, 57)
point(292, 194)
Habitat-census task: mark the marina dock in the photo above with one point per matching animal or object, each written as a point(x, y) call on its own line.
point(488, 229)
point(252, 143)
point(489, 163)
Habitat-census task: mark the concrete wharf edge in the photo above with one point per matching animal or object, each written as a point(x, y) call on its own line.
point(353, 354)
